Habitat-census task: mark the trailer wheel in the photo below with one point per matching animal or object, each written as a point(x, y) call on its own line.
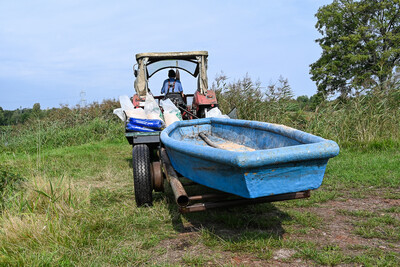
point(157, 178)
point(141, 175)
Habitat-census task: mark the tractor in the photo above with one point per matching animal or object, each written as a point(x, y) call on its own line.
point(146, 153)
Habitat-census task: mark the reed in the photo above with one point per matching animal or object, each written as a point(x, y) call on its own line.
point(371, 120)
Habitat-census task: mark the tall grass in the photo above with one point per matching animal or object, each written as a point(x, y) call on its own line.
point(10, 181)
point(63, 127)
point(370, 120)
point(44, 217)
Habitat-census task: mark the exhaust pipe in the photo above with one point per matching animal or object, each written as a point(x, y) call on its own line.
point(181, 197)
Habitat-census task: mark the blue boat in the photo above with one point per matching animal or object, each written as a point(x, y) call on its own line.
point(247, 158)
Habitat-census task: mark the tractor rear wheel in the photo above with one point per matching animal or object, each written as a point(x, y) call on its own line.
point(141, 175)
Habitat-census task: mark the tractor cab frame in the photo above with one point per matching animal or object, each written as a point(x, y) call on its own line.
point(194, 63)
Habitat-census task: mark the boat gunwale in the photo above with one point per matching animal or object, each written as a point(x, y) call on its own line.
point(311, 148)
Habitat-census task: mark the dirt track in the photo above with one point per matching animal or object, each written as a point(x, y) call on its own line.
point(336, 229)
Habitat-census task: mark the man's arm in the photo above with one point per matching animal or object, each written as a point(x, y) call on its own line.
point(180, 88)
point(163, 87)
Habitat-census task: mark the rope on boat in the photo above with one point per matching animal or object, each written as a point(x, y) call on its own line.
point(208, 141)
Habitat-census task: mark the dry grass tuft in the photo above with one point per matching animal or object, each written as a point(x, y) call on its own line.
point(46, 213)
point(55, 196)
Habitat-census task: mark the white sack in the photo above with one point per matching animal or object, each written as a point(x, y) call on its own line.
point(170, 118)
point(171, 112)
point(125, 102)
point(215, 113)
point(152, 109)
point(120, 113)
point(137, 113)
point(168, 106)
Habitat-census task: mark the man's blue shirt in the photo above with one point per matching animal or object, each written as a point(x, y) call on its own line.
point(177, 87)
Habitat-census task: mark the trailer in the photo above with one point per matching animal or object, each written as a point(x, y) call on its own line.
point(264, 163)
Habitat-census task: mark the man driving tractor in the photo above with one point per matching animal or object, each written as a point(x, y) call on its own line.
point(172, 84)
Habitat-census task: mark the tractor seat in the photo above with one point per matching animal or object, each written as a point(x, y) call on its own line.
point(177, 99)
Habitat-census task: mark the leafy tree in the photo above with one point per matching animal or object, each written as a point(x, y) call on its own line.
point(15, 117)
point(360, 45)
point(36, 110)
point(302, 100)
point(316, 100)
point(36, 107)
point(2, 118)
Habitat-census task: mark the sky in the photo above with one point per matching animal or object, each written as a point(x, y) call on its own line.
point(60, 52)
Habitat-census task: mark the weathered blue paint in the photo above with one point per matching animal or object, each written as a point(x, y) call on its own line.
point(284, 160)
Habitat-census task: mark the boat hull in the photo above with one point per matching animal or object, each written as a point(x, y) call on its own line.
point(295, 163)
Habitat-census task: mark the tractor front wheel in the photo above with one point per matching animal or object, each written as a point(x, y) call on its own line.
point(142, 175)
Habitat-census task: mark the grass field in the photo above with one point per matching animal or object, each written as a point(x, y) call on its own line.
point(75, 206)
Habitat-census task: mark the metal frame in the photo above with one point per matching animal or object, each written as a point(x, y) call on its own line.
point(145, 59)
point(195, 74)
point(225, 200)
point(135, 138)
point(171, 55)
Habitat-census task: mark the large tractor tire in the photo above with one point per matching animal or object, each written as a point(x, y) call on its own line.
point(141, 175)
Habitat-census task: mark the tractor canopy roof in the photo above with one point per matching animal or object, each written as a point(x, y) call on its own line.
point(187, 61)
point(194, 62)
point(172, 55)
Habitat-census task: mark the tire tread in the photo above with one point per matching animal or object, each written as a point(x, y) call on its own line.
point(141, 175)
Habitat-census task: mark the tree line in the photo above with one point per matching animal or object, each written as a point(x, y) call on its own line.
point(21, 115)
